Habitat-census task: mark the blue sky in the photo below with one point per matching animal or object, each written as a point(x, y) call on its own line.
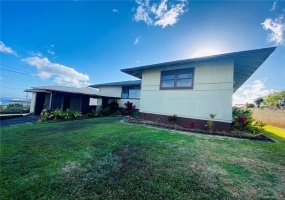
point(77, 43)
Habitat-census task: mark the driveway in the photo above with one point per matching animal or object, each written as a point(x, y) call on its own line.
point(20, 120)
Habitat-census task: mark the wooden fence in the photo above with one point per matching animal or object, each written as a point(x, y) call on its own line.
point(270, 116)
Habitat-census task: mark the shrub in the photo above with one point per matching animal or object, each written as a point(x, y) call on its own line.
point(240, 122)
point(67, 114)
point(117, 113)
point(77, 114)
point(260, 125)
point(193, 125)
point(172, 119)
point(113, 107)
point(237, 112)
point(129, 109)
point(44, 115)
point(211, 124)
point(105, 111)
point(136, 114)
point(55, 114)
point(94, 113)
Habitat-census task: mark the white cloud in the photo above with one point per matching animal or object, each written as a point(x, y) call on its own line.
point(274, 6)
point(38, 54)
point(60, 73)
point(5, 49)
point(115, 10)
point(277, 27)
point(250, 93)
point(136, 41)
point(50, 52)
point(159, 14)
point(50, 49)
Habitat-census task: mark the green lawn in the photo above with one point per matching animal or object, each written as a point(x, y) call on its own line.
point(279, 132)
point(105, 159)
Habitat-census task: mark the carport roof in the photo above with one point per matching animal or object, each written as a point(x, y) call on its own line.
point(245, 64)
point(83, 91)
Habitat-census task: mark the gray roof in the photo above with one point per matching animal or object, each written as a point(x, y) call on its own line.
point(122, 83)
point(245, 64)
point(20, 100)
point(84, 90)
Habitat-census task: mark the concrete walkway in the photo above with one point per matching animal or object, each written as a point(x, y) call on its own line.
point(20, 120)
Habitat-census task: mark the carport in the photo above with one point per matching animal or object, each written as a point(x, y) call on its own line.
point(58, 97)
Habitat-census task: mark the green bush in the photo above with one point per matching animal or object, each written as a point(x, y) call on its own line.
point(246, 113)
point(260, 125)
point(105, 112)
point(67, 114)
point(136, 114)
point(211, 124)
point(77, 114)
point(113, 107)
point(55, 114)
point(44, 115)
point(117, 113)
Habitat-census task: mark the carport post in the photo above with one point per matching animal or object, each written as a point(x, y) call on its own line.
point(22, 108)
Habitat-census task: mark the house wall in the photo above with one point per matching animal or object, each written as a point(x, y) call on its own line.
point(86, 107)
point(115, 91)
point(110, 91)
point(212, 93)
point(75, 103)
point(57, 102)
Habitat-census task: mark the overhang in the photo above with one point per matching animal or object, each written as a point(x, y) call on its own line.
point(81, 91)
point(118, 84)
point(245, 64)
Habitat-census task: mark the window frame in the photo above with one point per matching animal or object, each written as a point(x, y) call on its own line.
point(128, 88)
point(177, 72)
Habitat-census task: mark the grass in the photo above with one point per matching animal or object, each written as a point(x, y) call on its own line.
point(105, 159)
point(279, 132)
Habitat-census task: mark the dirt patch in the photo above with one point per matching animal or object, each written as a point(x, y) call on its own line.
point(129, 159)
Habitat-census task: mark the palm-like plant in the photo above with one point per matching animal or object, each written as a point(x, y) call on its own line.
point(55, 114)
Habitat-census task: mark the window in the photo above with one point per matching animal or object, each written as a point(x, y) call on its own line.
point(133, 92)
point(177, 79)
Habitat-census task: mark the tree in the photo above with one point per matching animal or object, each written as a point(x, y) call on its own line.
point(275, 99)
point(258, 101)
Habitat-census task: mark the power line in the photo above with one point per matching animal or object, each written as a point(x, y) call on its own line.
point(24, 73)
point(28, 73)
point(13, 68)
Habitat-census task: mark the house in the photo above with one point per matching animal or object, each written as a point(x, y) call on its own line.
point(190, 89)
point(194, 88)
point(121, 92)
point(22, 102)
point(58, 97)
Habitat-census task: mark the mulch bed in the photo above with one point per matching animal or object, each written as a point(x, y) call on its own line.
point(169, 126)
